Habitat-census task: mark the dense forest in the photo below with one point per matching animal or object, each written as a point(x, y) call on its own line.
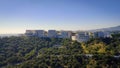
point(34, 52)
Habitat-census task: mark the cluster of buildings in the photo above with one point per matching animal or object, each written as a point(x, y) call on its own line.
point(80, 36)
point(49, 33)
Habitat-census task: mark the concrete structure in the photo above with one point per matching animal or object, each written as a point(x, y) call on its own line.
point(52, 34)
point(107, 34)
point(74, 38)
point(82, 37)
point(30, 33)
point(101, 34)
point(65, 34)
point(91, 34)
point(40, 33)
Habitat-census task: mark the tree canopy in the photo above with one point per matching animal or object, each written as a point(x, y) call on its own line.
point(34, 52)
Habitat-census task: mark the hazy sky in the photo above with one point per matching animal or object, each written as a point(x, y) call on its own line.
point(18, 15)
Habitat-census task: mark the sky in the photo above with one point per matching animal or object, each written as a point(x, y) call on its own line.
point(16, 16)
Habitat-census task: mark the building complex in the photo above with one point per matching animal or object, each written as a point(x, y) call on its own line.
point(80, 36)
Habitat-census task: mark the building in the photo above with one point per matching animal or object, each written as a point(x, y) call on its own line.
point(30, 33)
point(40, 33)
point(91, 34)
point(52, 34)
point(74, 38)
point(101, 34)
point(65, 34)
point(82, 36)
point(107, 34)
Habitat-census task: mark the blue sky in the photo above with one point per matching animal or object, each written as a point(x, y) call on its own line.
point(18, 15)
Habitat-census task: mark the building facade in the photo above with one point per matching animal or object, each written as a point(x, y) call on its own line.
point(65, 34)
point(101, 34)
point(82, 36)
point(30, 33)
point(40, 33)
point(52, 34)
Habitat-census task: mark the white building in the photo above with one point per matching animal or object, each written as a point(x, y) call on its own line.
point(52, 33)
point(30, 33)
point(107, 34)
point(40, 33)
point(65, 34)
point(101, 34)
point(74, 38)
point(82, 36)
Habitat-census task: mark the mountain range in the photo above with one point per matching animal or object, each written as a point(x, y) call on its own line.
point(116, 28)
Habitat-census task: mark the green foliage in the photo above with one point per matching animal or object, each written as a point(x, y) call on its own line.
point(34, 52)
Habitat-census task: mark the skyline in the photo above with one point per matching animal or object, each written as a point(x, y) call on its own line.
point(16, 16)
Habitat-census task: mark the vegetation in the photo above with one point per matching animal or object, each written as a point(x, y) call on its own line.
point(34, 52)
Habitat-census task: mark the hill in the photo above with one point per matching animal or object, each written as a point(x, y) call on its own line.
point(116, 28)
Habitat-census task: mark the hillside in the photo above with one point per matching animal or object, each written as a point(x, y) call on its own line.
point(34, 52)
point(117, 28)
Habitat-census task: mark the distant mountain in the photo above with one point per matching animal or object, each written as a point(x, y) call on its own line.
point(117, 28)
point(9, 35)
